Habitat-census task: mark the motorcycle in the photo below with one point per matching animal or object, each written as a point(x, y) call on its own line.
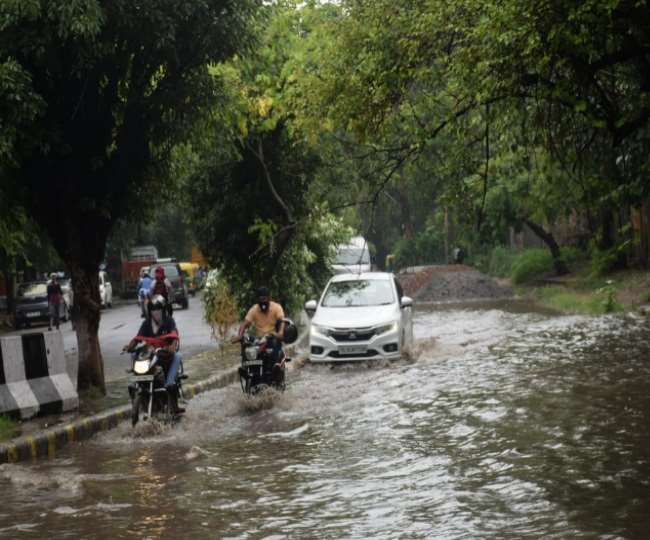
point(258, 369)
point(147, 385)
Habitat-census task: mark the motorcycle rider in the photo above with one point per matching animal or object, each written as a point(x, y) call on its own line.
point(162, 326)
point(268, 318)
point(162, 286)
point(143, 290)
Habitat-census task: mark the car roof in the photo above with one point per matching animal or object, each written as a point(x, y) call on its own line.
point(355, 242)
point(354, 276)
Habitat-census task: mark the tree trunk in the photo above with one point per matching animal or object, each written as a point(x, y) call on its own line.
point(549, 240)
point(7, 271)
point(86, 317)
point(406, 214)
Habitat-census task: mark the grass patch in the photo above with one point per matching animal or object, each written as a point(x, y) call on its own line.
point(8, 428)
point(596, 302)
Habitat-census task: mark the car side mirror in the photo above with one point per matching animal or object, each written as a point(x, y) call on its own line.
point(310, 307)
point(406, 301)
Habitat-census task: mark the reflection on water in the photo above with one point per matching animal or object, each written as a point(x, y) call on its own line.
point(507, 424)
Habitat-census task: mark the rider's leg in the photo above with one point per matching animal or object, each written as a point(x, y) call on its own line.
point(170, 383)
point(170, 380)
point(276, 354)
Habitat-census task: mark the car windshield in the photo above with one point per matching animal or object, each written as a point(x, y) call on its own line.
point(352, 255)
point(32, 289)
point(361, 292)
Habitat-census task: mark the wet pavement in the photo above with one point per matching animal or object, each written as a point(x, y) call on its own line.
point(505, 423)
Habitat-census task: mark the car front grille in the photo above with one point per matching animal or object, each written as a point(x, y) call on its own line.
point(347, 336)
point(368, 354)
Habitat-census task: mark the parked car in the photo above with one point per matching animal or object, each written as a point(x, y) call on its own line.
point(360, 317)
point(353, 257)
point(31, 305)
point(105, 290)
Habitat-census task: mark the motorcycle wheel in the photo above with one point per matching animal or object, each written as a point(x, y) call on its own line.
point(135, 408)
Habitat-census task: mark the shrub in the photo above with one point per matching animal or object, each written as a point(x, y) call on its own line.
point(530, 264)
point(424, 248)
point(500, 261)
point(8, 428)
point(219, 307)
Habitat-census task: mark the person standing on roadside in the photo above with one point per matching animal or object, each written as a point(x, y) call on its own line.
point(54, 299)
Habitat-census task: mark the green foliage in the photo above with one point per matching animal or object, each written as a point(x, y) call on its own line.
point(574, 301)
point(8, 428)
point(608, 294)
point(500, 261)
point(426, 247)
point(531, 264)
point(220, 309)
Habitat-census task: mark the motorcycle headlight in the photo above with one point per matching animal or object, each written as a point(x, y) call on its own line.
point(384, 328)
point(251, 353)
point(141, 367)
point(320, 330)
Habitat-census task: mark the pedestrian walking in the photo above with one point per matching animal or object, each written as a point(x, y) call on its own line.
point(54, 299)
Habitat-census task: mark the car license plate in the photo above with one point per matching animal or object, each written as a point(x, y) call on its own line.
point(352, 349)
point(142, 378)
point(32, 314)
point(253, 363)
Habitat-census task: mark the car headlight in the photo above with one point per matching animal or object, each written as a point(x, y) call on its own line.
point(320, 330)
point(385, 328)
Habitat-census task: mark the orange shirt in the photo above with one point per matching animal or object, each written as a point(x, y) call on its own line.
point(265, 322)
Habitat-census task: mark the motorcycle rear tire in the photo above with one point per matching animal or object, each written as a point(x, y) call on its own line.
point(135, 408)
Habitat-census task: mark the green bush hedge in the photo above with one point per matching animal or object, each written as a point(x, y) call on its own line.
point(530, 264)
point(523, 265)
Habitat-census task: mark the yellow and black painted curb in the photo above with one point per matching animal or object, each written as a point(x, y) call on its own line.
point(46, 443)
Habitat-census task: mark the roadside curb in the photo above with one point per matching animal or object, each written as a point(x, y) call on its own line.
point(47, 442)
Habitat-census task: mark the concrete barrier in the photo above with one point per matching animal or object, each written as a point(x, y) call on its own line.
point(48, 442)
point(33, 376)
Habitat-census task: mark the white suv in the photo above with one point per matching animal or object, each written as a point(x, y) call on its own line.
point(360, 317)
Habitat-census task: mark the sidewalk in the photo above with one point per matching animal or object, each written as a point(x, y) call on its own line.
point(45, 435)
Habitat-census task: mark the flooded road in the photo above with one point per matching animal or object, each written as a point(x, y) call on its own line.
point(506, 424)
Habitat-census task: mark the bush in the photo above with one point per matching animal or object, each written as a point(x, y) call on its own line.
point(530, 264)
point(425, 247)
point(8, 428)
point(500, 262)
point(219, 307)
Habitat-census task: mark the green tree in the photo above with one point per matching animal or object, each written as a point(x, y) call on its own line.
point(97, 93)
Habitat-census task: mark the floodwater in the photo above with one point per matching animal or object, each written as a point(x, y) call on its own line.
point(506, 423)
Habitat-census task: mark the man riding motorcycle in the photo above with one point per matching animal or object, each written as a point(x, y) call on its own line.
point(268, 318)
point(159, 330)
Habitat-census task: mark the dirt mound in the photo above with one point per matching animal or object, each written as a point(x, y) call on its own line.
point(450, 283)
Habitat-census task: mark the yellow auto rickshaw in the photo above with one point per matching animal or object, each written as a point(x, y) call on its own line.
point(191, 273)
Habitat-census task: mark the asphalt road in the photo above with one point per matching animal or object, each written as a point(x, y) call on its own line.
point(120, 323)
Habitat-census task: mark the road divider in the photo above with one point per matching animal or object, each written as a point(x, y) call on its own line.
point(48, 442)
point(33, 376)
